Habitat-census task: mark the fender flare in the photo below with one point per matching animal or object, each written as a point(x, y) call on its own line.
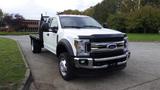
point(67, 46)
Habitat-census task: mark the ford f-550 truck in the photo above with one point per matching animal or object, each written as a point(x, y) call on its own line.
point(81, 44)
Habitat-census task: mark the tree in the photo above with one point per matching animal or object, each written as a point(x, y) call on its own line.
point(14, 21)
point(133, 5)
point(130, 5)
point(104, 9)
point(152, 2)
point(118, 22)
point(1, 13)
point(89, 11)
point(1, 21)
point(76, 12)
point(145, 20)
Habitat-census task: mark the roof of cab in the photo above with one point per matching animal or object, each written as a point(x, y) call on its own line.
point(70, 15)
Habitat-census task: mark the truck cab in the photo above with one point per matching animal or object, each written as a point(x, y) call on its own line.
point(81, 44)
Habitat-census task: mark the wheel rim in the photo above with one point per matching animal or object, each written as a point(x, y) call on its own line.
point(63, 67)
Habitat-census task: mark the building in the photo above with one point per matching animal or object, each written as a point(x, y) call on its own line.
point(30, 25)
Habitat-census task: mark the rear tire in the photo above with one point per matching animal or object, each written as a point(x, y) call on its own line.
point(35, 46)
point(65, 69)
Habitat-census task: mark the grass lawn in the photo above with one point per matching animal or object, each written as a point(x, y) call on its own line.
point(144, 37)
point(16, 33)
point(12, 68)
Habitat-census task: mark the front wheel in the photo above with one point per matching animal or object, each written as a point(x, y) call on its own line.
point(64, 67)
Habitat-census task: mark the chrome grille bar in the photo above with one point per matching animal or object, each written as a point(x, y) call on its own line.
point(96, 47)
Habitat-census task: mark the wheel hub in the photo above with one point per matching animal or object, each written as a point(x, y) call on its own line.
point(63, 67)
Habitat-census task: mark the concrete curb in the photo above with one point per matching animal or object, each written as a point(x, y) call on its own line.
point(8, 87)
point(26, 82)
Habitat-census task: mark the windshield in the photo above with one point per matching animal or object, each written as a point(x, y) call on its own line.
point(78, 22)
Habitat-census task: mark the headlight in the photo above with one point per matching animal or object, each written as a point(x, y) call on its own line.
point(126, 42)
point(81, 47)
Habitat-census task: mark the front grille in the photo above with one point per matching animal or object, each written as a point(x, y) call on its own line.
point(107, 38)
point(99, 45)
point(110, 39)
point(105, 54)
point(100, 63)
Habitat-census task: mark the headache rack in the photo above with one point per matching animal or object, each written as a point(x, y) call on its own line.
point(43, 19)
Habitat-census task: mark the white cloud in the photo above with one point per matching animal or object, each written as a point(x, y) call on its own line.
point(33, 8)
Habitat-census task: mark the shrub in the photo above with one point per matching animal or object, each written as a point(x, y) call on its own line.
point(145, 20)
point(118, 22)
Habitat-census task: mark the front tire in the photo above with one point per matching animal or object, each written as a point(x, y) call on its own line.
point(65, 69)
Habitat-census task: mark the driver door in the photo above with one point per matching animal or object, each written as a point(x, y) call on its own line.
point(52, 37)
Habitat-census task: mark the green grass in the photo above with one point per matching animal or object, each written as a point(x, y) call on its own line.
point(12, 68)
point(144, 37)
point(16, 33)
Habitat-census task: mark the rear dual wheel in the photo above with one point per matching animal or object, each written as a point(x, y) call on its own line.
point(35, 46)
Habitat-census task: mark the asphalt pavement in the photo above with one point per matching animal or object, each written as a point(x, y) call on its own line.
point(142, 72)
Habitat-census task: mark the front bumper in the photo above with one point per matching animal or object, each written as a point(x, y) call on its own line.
point(100, 63)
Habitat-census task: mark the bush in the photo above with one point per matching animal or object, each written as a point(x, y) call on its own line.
point(145, 20)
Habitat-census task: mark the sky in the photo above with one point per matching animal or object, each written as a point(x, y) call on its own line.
point(31, 9)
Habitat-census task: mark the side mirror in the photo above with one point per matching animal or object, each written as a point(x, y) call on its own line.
point(54, 29)
point(45, 26)
point(105, 25)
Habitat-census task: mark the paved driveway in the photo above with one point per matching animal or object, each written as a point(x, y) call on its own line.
point(142, 73)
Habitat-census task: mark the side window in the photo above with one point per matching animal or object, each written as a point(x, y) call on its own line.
point(54, 22)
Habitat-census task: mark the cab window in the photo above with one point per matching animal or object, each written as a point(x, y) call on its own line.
point(54, 22)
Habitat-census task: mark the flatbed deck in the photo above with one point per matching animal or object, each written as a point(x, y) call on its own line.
point(35, 36)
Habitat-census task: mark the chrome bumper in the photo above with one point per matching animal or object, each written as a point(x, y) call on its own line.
point(90, 61)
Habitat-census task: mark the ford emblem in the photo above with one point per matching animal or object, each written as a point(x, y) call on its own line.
point(112, 46)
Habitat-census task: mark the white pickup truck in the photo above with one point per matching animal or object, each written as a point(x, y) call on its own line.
point(82, 45)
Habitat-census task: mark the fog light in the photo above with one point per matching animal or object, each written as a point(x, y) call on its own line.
point(83, 61)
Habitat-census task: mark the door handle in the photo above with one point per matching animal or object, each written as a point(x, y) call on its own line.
point(47, 34)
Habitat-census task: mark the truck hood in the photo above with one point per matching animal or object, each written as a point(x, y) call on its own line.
point(74, 33)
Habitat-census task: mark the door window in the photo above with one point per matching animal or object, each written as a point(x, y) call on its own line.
point(54, 22)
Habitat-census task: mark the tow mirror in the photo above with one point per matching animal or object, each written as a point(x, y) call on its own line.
point(105, 25)
point(54, 29)
point(45, 26)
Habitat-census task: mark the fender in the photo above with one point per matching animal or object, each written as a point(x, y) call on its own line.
point(67, 46)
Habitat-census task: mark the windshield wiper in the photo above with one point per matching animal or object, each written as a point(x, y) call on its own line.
point(90, 26)
point(72, 27)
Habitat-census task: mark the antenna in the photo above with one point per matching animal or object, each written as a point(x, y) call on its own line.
point(46, 13)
